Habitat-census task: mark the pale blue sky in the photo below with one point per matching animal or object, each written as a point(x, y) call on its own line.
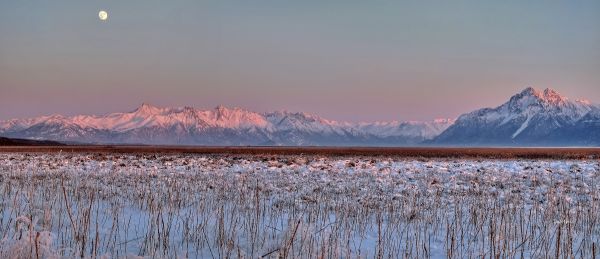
point(345, 60)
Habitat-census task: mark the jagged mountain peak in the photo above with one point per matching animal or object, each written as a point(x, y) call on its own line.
point(542, 94)
point(533, 97)
point(529, 117)
point(530, 91)
point(148, 109)
point(224, 109)
point(532, 101)
point(548, 101)
point(295, 119)
point(147, 106)
point(553, 97)
point(221, 125)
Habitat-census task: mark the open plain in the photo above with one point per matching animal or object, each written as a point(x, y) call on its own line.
point(158, 202)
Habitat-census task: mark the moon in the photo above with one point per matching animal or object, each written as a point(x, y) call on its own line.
point(103, 15)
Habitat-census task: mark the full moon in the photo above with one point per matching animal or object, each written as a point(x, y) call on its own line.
point(103, 15)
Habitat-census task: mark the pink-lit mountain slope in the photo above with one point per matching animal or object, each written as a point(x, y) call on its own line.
point(220, 126)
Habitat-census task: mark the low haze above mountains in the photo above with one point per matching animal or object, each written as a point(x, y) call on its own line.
point(529, 118)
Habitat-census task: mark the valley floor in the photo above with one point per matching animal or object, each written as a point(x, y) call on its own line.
point(228, 205)
point(406, 152)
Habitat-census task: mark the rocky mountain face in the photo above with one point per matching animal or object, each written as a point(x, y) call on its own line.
point(220, 126)
point(529, 118)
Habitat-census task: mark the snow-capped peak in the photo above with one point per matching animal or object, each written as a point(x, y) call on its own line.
point(148, 109)
point(530, 91)
point(552, 96)
point(548, 94)
point(235, 117)
point(530, 113)
point(152, 124)
point(547, 99)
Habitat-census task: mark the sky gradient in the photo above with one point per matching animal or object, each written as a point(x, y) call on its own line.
point(343, 60)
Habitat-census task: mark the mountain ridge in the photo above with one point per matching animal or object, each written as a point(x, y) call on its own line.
point(529, 118)
point(149, 124)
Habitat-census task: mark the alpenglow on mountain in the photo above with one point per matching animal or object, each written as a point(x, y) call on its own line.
point(220, 126)
point(530, 118)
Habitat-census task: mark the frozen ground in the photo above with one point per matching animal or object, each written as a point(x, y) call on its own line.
point(92, 205)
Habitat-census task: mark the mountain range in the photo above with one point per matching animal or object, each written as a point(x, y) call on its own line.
point(529, 118)
point(219, 126)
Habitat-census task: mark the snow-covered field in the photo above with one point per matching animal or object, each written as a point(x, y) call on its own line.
point(224, 206)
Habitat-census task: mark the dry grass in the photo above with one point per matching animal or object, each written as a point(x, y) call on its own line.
point(223, 206)
point(417, 152)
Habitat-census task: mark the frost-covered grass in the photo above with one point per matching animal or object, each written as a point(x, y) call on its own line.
point(224, 206)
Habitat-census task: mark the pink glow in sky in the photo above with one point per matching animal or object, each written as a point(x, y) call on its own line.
point(343, 60)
